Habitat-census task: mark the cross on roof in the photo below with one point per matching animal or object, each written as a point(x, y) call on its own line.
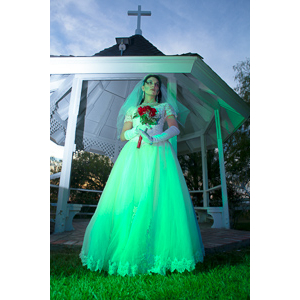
point(139, 13)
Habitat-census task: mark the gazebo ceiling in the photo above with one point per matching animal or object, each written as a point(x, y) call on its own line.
point(109, 80)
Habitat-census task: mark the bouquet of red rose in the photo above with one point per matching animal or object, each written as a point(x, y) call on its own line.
point(148, 115)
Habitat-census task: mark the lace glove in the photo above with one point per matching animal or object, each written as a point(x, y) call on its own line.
point(169, 133)
point(131, 133)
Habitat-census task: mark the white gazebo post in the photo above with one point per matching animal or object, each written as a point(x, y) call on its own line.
point(69, 148)
point(204, 171)
point(172, 91)
point(226, 222)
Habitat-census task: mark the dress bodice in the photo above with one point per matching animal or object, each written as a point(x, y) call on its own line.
point(164, 110)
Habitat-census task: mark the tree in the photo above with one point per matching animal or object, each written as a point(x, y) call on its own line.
point(55, 167)
point(243, 79)
point(191, 165)
point(237, 147)
point(89, 171)
point(237, 150)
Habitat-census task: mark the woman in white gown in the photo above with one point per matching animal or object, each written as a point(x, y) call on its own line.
point(145, 221)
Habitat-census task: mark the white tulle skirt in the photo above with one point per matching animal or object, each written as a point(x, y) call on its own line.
point(145, 221)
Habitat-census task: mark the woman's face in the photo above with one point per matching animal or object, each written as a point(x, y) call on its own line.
point(151, 86)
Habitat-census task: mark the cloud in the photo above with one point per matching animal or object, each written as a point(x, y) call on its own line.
point(81, 27)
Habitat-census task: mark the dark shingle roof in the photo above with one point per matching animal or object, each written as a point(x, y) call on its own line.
point(191, 54)
point(138, 46)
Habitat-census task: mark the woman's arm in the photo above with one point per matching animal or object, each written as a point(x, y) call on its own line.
point(172, 121)
point(127, 126)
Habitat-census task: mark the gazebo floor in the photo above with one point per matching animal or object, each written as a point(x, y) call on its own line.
point(214, 240)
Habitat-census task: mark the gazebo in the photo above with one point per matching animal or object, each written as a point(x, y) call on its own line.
point(86, 94)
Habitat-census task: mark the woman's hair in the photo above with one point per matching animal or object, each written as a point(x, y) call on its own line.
point(159, 81)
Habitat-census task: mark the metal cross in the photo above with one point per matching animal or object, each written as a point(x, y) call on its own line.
point(139, 13)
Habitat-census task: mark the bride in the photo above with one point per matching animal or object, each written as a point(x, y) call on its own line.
point(145, 222)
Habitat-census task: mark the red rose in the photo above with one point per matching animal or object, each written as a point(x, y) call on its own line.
point(152, 112)
point(142, 110)
point(146, 108)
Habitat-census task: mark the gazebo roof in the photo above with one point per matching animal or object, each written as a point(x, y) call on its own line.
point(138, 46)
point(108, 80)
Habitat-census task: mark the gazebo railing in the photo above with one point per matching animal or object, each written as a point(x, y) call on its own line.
point(203, 212)
point(77, 189)
point(83, 205)
point(97, 191)
point(100, 192)
point(208, 190)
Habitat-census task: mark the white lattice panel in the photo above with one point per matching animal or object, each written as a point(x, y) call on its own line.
point(55, 126)
point(96, 146)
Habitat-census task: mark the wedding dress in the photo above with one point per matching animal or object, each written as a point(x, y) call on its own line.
point(145, 222)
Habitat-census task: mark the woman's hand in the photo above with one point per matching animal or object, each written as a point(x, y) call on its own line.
point(127, 126)
point(166, 135)
point(129, 133)
point(143, 127)
point(146, 137)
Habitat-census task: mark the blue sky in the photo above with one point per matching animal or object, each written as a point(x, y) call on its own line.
point(218, 30)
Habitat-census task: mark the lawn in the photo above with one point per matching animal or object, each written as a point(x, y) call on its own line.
point(224, 275)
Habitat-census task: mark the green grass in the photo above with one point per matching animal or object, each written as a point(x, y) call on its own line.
point(222, 276)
